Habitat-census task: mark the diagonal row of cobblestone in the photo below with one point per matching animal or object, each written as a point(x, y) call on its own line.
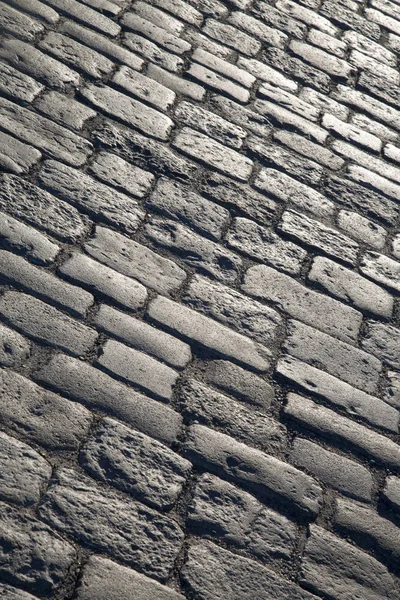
point(199, 303)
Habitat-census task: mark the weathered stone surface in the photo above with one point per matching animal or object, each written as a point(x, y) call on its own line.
point(143, 337)
point(201, 404)
point(333, 470)
point(118, 172)
point(218, 82)
point(138, 368)
point(14, 349)
point(327, 423)
point(64, 109)
point(383, 341)
point(232, 37)
point(44, 323)
point(16, 156)
point(135, 463)
point(234, 380)
point(304, 304)
point(351, 133)
point(103, 579)
point(362, 229)
point(340, 394)
point(246, 316)
point(11, 593)
point(102, 280)
point(209, 334)
point(329, 354)
point(144, 88)
point(320, 59)
point(24, 473)
point(213, 573)
point(88, 16)
point(391, 492)
point(175, 83)
point(296, 68)
point(286, 119)
point(241, 76)
point(333, 567)
point(134, 534)
point(260, 472)
point(40, 416)
point(263, 244)
point(98, 391)
point(228, 514)
point(134, 260)
point(289, 101)
point(32, 555)
point(18, 85)
point(151, 51)
point(100, 201)
point(382, 269)
point(32, 204)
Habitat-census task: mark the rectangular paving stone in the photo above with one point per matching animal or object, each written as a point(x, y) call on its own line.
point(362, 229)
point(383, 341)
point(264, 245)
point(199, 403)
point(289, 100)
point(37, 9)
point(382, 269)
point(24, 473)
point(14, 348)
point(158, 17)
point(153, 53)
point(156, 32)
point(114, 170)
point(341, 360)
point(134, 260)
point(258, 29)
point(139, 116)
point(100, 201)
point(236, 113)
point(178, 202)
point(333, 567)
point(16, 156)
point(144, 88)
point(372, 126)
point(64, 109)
point(350, 287)
point(327, 42)
point(351, 133)
point(90, 386)
point(104, 522)
point(324, 103)
point(182, 10)
point(211, 571)
point(339, 394)
point(232, 37)
point(13, 22)
point(248, 525)
point(334, 470)
point(307, 16)
point(87, 16)
point(361, 61)
point(371, 179)
point(241, 76)
point(54, 140)
point(302, 303)
point(209, 334)
point(138, 368)
point(214, 154)
point(262, 71)
point(366, 160)
point(309, 149)
point(103, 579)
point(377, 109)
point(193, 249)
point(16, 270)
point(216, 81)
point(263, 474)
point(198, 40)
point(176, 83)
point(334, 66)
point(135, 463)
point(143, 337)
point(279, 20)
point(391, 492)
point(39, 416)
point(17, 85)
point(315, 234)
point(102, 280)
point(230, 307)
point(367, 528)
point(348, 19)
point(296, 68)
point(44, 323)
point(327, 423)
point(31, 554)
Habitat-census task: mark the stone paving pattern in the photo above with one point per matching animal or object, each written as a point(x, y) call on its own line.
point(200, 317)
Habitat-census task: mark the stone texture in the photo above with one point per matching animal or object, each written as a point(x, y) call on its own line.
point(14, 349)
point(112, 169)
point(382, 269)
point(11, 593)
point(261, 473)
point(135, 463)
point(218, 82)
point(391, 492)
point(144, 88)
point(361, 229)
point(17, 85)
point(16, 156)
point(98, 519)
point(64, 109)
point(383, 341)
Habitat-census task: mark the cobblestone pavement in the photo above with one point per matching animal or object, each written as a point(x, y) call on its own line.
point(199, 307)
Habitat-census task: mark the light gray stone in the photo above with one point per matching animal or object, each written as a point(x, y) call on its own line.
point(14, 349)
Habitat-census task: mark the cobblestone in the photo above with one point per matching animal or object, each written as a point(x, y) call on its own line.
point(232, 37)
point(263, 244)
point(266, 73)
point(218, 82)
point(234, 380)
point(241, 76)
point(333, 567)
point(382, 269)
point(87, 16)
point(333, 470)
point(291, 101)
point(259, 30)
point(329, 354)
point(14, 349)
point(134, 260)
point(280, 20)
point(340, 394)
point(373, 180)
point(11, 593)
point(177, 202)
point(18, 85)
point(327, 423)
point(301, 303)
point(245, 117)
point(158, 33)
point(348, 19)
point(325, 103)
point(261, 473)
point(175, 83)
point(118, 172)
point(307, 16)
point(16, 23)
point(16, 156)
point(201, 404)
point(327, 42)
point(152, 52)
point(362, 229)
point(392, 393)
point(350, 287)
point(37, 9)
point(143, 337)
point(54, 140)
point(134, 534)
point(135, 463)
point(144, 88)
point(206, 332)
point(378, 110)
point(98, 391)
point(228, 514)
point(32, 555)
point(351, 133)
point(213, 573)
point(138, 368)
point(332, 65)
point(309, 149)
point(44, 323)
point(64, 109)
point(103, 579)
point(391, 492)
point(183, 10)
point(158, 17)
point(383, 341)
point(24, 472)
point(294, 67)
point(104, 281)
